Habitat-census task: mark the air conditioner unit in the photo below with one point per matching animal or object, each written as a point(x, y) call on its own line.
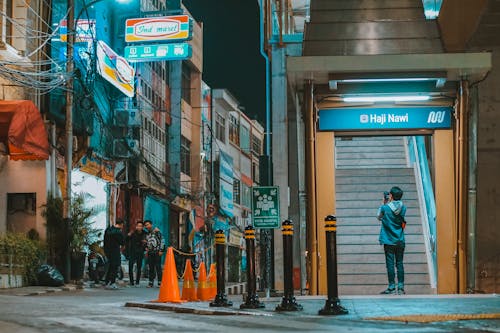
point(127, 118)
point(125, 148)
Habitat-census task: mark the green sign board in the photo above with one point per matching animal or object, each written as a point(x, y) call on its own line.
point(266, 207)
point(157, 52)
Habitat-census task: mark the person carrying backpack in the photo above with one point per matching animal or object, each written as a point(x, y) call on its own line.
point(392, 217)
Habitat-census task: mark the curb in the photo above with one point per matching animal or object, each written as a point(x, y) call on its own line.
point(52, 290)
point(193, 310)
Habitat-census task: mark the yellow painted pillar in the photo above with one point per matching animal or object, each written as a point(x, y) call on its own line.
point(446, 219)
point(325, 196)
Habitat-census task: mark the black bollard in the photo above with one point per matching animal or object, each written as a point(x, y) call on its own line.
point(288, 302)
point(220, 253)
point(332, 305)
point(252, 301)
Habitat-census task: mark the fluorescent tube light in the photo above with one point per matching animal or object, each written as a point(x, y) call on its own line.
point(395, 98)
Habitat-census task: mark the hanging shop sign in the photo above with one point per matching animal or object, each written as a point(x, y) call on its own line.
point(158, 52)
point(165, 28)
point(226, 184)
point(398, 118)
point(96, 166)
point(266, 207)
point(85, 30)
point(115, 69)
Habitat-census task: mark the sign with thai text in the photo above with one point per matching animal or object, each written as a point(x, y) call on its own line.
point(115, 69)
point(398, 118)
point(165, 28)
point(154, 52)
point(226, 184)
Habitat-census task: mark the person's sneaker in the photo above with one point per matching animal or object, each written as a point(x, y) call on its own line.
point(112, 286)
point(159, 284)
point(401, 291)
point(388, 291)
point(150, 285)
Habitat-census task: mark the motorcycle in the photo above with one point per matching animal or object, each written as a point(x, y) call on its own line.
point(97, 264)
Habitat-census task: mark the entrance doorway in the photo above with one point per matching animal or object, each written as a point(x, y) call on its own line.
point(366, 167)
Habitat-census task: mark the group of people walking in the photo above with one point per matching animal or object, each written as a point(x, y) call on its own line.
point(145, 242)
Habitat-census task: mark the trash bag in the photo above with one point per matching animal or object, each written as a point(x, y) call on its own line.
point(49, 276)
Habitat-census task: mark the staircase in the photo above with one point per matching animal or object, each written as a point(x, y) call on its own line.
point(365, 168)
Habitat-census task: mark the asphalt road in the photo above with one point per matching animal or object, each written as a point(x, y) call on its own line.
point(99, 310)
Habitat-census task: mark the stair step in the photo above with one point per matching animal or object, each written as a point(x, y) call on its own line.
point(380, 279)
point(362, 195)
point(377, 188)
point(370, 211)
point(378, 258)
point(373, 238)
point(375, 247)
point(369, 230)
point(406, 171)
point(379, 268)
point(374, 179)
point(372, 154)
point(410, 289)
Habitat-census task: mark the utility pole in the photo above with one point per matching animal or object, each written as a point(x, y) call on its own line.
point(69, 135)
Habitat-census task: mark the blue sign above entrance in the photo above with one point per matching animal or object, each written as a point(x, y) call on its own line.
point(399, 118)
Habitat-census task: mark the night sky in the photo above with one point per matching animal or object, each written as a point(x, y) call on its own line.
point(231, 56)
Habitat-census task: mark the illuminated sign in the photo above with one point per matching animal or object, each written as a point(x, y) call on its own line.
point(85, 30)
point(115, 69)
point(165, 28)
point(153, 52)
point(356, 119)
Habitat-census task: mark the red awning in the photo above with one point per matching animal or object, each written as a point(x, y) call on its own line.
point(23, 131)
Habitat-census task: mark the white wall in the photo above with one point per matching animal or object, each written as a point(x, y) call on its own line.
point(23, 177)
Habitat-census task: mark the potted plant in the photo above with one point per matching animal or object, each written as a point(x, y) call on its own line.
point(82, 232)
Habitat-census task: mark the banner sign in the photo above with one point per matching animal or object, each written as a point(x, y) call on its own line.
point(165, 28)
point(266, 207)
point(157, 52)
point(96, 166)
point(356, 119)
point(115, 69)
point(226, 184)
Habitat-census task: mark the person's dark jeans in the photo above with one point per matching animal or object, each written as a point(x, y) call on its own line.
point(154, 263)
point(394, 255)
point(135, 258)
point(112, 271)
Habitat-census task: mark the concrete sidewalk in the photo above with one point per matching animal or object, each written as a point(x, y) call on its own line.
point(405, 308)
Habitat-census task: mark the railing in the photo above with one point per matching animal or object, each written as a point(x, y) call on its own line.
point(418, 158)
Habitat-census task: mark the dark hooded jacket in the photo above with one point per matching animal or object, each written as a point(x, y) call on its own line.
point(392, 216)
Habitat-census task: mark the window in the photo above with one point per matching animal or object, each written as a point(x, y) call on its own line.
point(21, 202)
point(220, 127)
point(185, 156)
point(255, 173)
point(186, 83)
point(234, 135)
point(236, 191)
point(246, 198)
point(14, 15)
point(256, 145)
point(245, 139)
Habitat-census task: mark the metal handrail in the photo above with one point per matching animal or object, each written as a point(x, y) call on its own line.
point(418, 157)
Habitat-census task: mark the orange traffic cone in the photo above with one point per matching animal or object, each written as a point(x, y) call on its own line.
point(169, 289)
point(202, 283)
point(188, 287)
point(212, 281)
